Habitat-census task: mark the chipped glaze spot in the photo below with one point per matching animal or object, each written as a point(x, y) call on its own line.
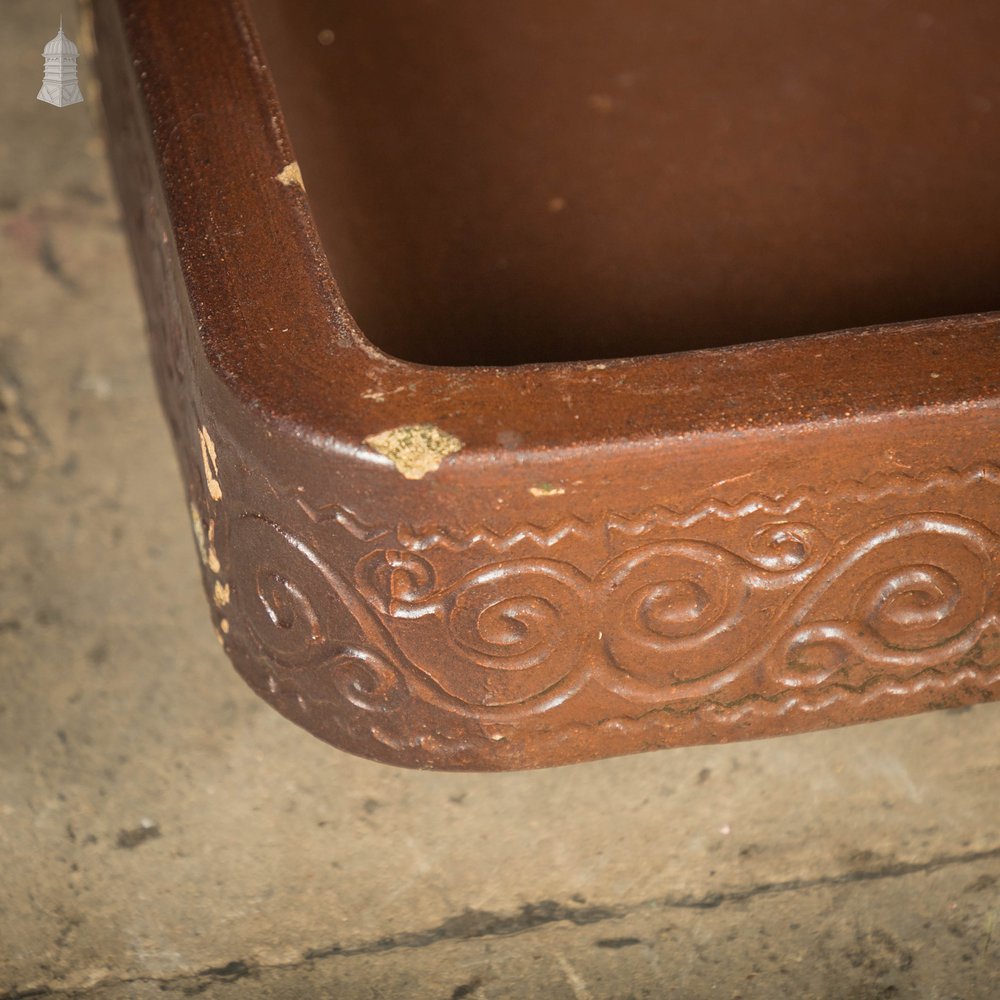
point(415, 449)
point(291, 176)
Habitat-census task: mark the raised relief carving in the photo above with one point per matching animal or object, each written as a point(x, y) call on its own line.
point(299, 614)
point(785, 619)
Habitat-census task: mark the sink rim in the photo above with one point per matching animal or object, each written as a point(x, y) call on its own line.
point(225, 157)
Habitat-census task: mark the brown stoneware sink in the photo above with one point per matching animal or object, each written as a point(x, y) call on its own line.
point(495, 340)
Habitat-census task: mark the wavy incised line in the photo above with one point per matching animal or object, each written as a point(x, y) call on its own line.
point(663, 516)
point(785, 504)
point(813, 701)
point(345, 518)
point(660, 515)
point(761, 706)
point(437, 537)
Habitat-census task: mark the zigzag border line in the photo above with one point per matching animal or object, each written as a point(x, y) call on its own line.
point(794, 701)
point(425, 538)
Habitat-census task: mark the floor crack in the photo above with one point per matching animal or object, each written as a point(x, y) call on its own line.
point(474, 924)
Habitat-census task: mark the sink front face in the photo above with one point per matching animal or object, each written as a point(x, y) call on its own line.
point(527, 180)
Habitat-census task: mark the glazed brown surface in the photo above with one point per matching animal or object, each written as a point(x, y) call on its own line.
point(506, 567)
point(504, 182)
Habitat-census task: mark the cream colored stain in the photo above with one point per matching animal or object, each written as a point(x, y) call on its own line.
point(415, 449)
point(378, 395)
point(210, 462)
point(206, 545)
point(546, 490)
point(211, 557)
point(199, 533)
point(291, 176)
point(221, 594)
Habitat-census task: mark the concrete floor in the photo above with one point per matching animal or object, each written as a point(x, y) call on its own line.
point(164, 834)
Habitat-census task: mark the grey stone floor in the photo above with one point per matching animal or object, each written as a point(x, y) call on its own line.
point(164, 834)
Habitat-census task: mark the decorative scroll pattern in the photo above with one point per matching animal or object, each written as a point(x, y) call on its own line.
point(785, 619)
point(297, 607)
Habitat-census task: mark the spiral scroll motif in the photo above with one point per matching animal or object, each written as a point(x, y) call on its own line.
point(514, 621)
point(367, 680)
point(661, 602)
point(787, 549)
point(907, 608)
point(505, 632)
point(676, 611)
point(284, 618)
point(632, 626)
point(297, 612)
point(906, 615)
point(665, 622)
point(396, 582)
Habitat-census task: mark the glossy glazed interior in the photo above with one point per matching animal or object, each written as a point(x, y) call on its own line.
point(511, 181)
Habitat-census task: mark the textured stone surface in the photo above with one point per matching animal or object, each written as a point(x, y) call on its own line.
point(164, 833)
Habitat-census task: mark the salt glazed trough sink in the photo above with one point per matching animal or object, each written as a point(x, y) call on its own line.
point(495, 340)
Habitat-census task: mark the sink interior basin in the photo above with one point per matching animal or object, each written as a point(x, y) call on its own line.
point(513, 181)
